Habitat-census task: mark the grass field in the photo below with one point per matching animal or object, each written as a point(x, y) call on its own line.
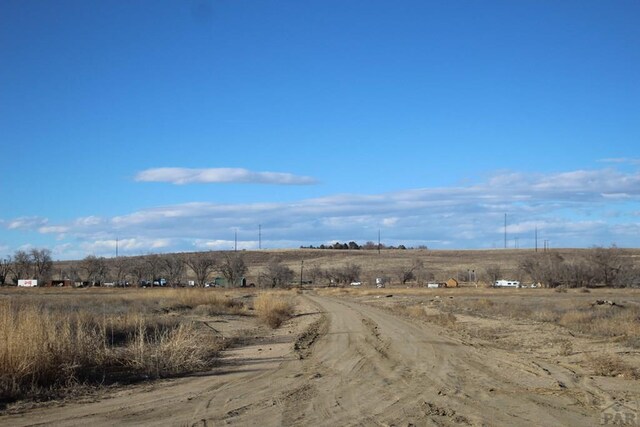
point(52, 340)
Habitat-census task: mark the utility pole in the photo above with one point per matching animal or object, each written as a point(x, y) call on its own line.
point(116, 247)
point(301, 269)
point(378, 241)
point(536, 238)
point(235, 245)
point(505, 231)
point(259, 236)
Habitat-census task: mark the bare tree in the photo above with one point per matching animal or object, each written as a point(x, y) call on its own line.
point(121, 269)
point(545, 268)
point(345, 274)
point(408, 272)
point(5, 269)
point(493, 273)
point(155, 265)
point(314, 272)
point(22, 266)
point(608, 264)
point(139, 270)
point(202, 265)
point(73, 273)
point(42, 263)
point(174, 268)
point(95, 269)
point(276, 274)
point(233, 268)
point(577, 273)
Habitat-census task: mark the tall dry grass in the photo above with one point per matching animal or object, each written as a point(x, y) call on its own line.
point(47, 346)
point(273, 308)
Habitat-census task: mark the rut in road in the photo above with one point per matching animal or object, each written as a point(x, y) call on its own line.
point(375, 368)
point(358, 365)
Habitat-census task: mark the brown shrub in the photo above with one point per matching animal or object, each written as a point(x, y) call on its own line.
point(610, 365)
point(44, 349)
point(273, 308)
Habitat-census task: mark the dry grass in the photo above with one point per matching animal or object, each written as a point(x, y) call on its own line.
point(273, 308)
point(610, 365)
point(209, 301)
point(567, 310)
point(447, 320)
point(50, 342)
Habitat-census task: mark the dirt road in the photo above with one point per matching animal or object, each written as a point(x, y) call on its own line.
point(366, 367)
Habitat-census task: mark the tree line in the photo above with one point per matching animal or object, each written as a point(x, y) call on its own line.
point(368, 246)
point(598, 266)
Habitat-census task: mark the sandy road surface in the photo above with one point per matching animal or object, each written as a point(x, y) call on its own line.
point(366, 367)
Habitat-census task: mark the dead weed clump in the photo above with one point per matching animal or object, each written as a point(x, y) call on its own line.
point(44, 350)
point(273, 308)
point(169, 351)
point(207, 301)
point(447, 320)
point(610, 365)
point(605, 322)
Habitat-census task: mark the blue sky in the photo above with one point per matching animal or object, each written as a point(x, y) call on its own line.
point(171, 125)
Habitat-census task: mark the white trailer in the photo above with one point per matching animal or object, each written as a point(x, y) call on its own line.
point(506, 284)
point(28, 283)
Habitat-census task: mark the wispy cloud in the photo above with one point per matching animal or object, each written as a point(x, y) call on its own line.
point(220, 175)
point(26, 223)
point(569, 209)
point(621, 160)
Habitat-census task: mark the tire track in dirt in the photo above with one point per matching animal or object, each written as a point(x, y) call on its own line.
point(353, 365)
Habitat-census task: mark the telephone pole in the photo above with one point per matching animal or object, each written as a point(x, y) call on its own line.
point(505, 231)
point(301, 269)
point(259, 236)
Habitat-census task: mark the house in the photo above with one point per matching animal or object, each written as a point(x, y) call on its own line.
point(506, 284)
point(451, 283)
point(433, 285)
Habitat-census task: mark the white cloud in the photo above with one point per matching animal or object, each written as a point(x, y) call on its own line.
point(568, 208)
point(53, 229)
point(220, 175)
point(26, 223)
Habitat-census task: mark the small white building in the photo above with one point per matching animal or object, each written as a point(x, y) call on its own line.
point(506, 284)
point(28, 283)
point(433, 285)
